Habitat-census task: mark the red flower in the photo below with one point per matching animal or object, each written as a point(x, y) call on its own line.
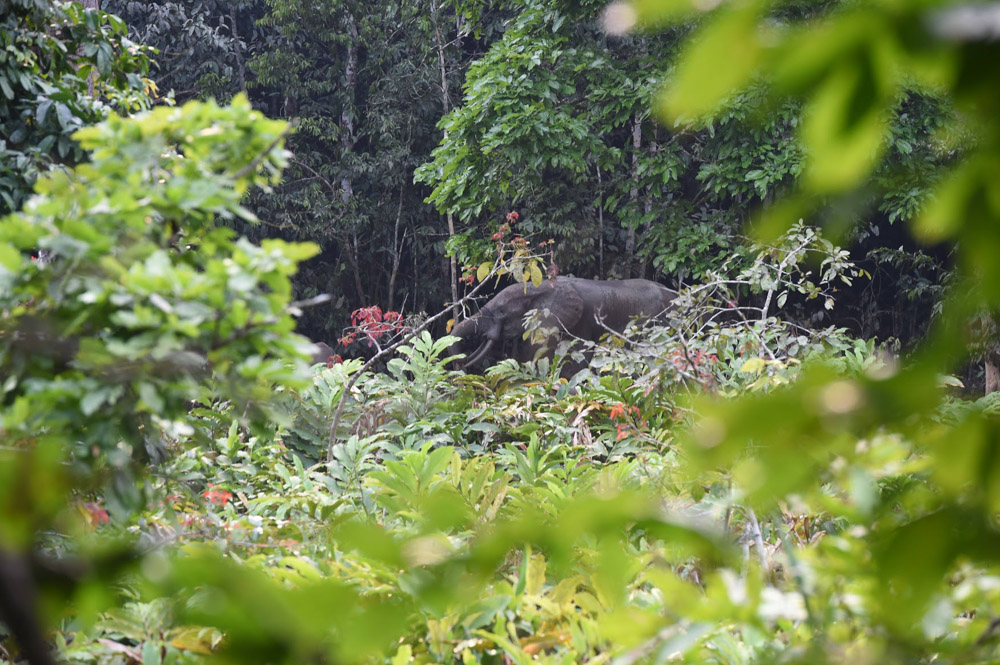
point(96, 513)
point(622, 430)
point(218, 497)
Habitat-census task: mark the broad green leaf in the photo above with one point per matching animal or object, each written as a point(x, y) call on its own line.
point(720, 60)
point(843, 126)
point(536, 274)
point(10, 258)
point(947, 211)
point(484, 271)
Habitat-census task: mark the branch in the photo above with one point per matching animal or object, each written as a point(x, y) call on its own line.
point(310, 302)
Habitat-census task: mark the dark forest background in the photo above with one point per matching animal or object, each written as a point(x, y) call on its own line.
point(420, 124)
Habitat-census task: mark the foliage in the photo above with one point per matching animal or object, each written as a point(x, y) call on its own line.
point(364, 84)
point(202, 48)
point(721, 490)
point(555, 122)
point(106, 343)
point(62, 67)
point(441, 530)
point(546, 111)
point(142, 293)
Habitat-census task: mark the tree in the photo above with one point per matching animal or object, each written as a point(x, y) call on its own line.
point(144, 298)
point(556, 122)
point(62, 67)
point(367, 88)
point(850, 69)
point(202, 49)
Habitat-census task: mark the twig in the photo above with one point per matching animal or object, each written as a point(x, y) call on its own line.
point(796, 570)
point(777, 279)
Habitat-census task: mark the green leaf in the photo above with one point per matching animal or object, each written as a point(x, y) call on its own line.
point(753, 365)
point(843, 127)
point(104, 59)
point(484, 271)
point(536, 274)
point(151, 653)
point(65, 115)
point(403, 656)
point(42, 111)
point(720, 59)
point(10, 257)
point(92, 401)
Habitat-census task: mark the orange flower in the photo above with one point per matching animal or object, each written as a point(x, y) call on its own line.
point(218, 497)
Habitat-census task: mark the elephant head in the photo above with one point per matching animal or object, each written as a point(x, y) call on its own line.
point(499, 324)
point(581, 308)
point(321, 352)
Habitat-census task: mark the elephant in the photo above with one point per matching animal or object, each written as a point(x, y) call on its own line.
point(321, 352)
point(581, 308)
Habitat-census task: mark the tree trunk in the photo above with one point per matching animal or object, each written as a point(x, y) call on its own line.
point(647, 206)
point(240, 67)
point(397, 252)
point(347, 114)
point(600, 225)
point(91, 4)
point(446, 105)
point(992, 377)
point(347, 141)
point(633, 194)
point(353, 255)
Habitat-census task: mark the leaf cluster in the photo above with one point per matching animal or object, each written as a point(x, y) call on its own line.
point(62, 67)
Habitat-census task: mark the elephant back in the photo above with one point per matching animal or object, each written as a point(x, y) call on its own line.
point(614, 303)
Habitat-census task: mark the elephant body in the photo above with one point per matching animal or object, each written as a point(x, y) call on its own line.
point(582, 308)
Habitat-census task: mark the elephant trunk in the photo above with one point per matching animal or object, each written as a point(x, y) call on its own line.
point(479, 353)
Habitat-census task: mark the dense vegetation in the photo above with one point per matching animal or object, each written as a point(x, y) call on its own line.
point(529, 106)
point(759, 480)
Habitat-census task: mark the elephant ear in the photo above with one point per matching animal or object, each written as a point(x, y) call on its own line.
point(565, 306)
